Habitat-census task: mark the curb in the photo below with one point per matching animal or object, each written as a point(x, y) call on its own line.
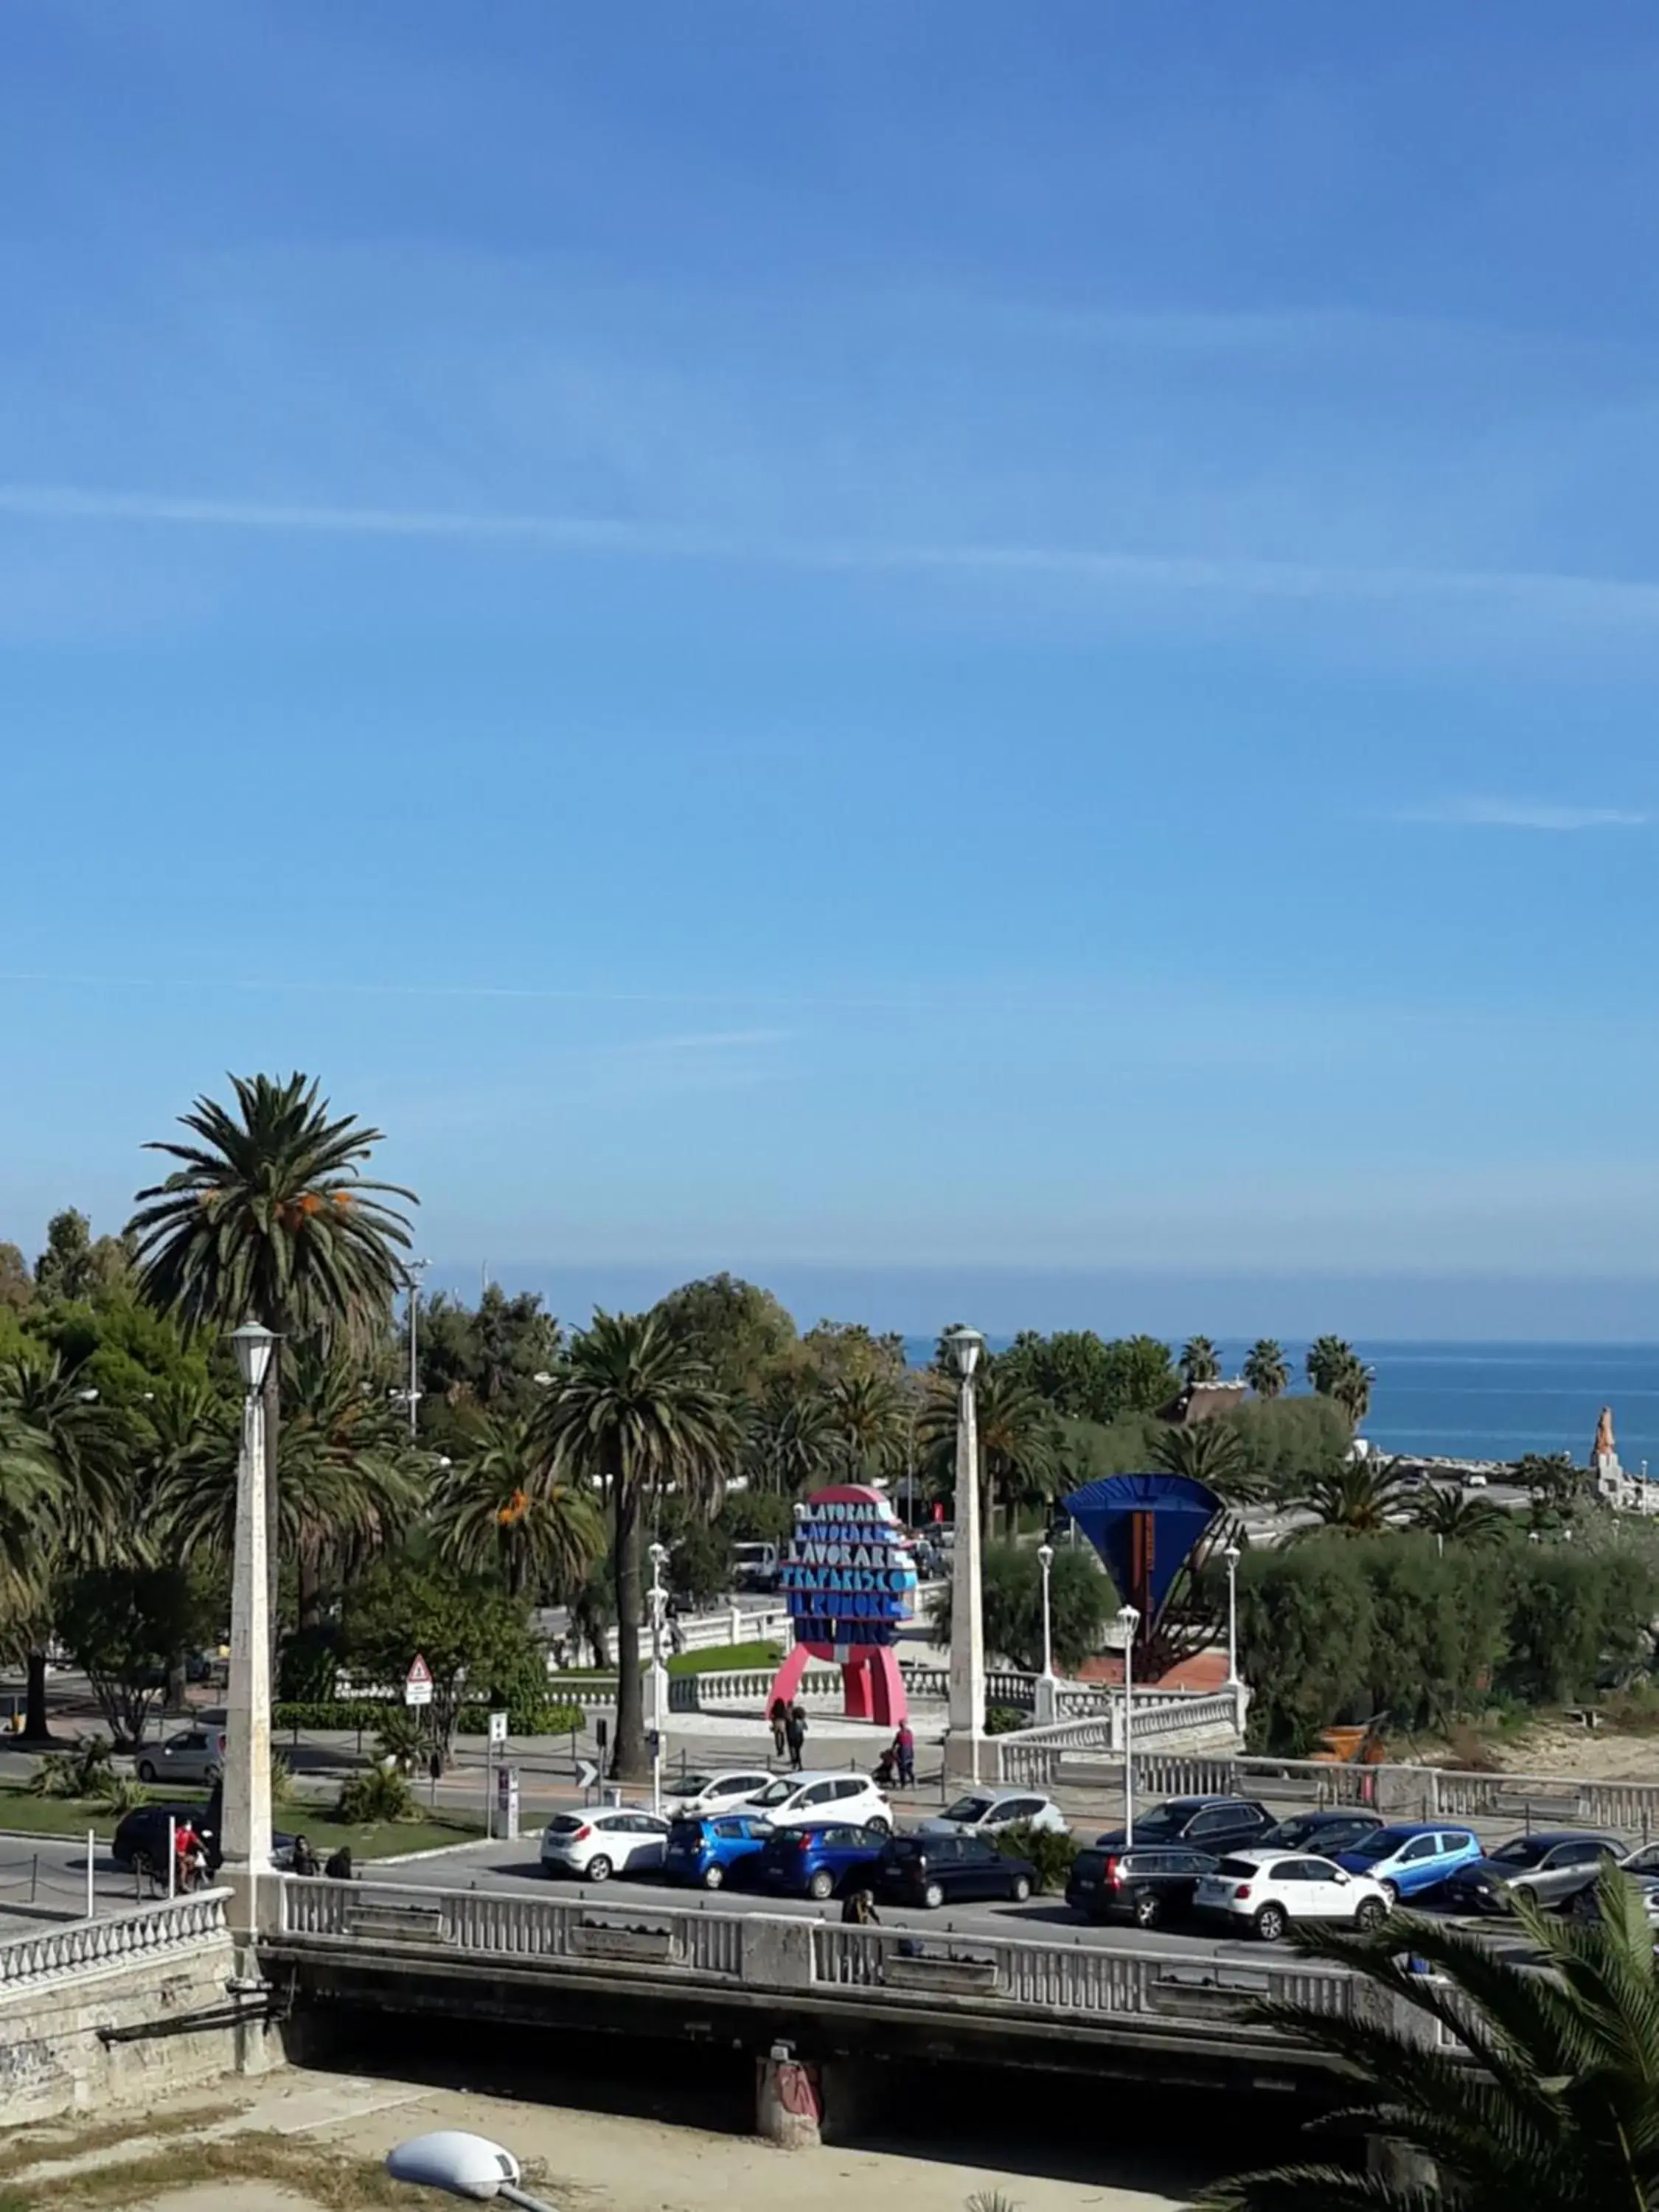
point(436, 1851)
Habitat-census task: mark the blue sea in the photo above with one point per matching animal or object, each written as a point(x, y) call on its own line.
point(1490, 1400)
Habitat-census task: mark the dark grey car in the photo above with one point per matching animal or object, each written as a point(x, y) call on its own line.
point(1551, 1868)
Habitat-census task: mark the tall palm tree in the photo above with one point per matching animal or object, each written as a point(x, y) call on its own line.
point(1265, 1368)
point(1327, 1357)
point(1445, 1512)
point(1200, 1361)
point(635, 1412)
point(1211, 1452)
point(871, 1420)
point(268, 1217)
point(502, 1507)
point(1361, 1497)
point(31, 1499)
point(791, 1439)
point(1352, 1390)
point(1019, 1444)
point(1558, 2112)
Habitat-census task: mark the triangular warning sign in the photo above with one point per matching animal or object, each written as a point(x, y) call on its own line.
point(419, 1672)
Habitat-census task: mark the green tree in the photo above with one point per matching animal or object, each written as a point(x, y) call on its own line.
point(741, 1333)
point(871, 1414)
point(1018, 1442)
point(16, 1284)
point(501, 1507)
point(125, 1627)
point(636, 1412)
point(1080, 1596)
point(1087, 1379)
point(1211, 1452)
point(74, 1266)
point(1445, 1512)
point(1361, 1497)
point(268, 1217)
point(1352, 1391)
point(793, 1440)
point(487, 1355)
point(1328, 1357)
point(832, 1349)
point(1265, 1368)
point(475, 1639)
point(1560, 2111)
point(1199, 1360)
point(1304, 1639)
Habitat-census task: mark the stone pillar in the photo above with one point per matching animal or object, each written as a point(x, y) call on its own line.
point(788, 2103)
point(1046, 1709)
point(246, 1843)
point(964, 1747)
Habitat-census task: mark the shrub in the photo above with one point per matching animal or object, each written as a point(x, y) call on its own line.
point(309, 1665)
point(1004, 1720)
point(1049, 1852)
point(331, 1713)
point(378, 1717)
point(281, 1780)
point(379, 1793)
point(117, 1793)
point(81, 1772)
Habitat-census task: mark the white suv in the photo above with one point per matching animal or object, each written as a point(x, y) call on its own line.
point(1265, 1891)
point(794, 1798)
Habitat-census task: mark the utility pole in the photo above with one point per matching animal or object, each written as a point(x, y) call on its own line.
point(414, 1270)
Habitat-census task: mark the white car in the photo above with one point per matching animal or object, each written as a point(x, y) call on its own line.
point(794, 1798)
point(987, 1812)
point(1265, 1891)
point(698, 1794)
point(597, 1844)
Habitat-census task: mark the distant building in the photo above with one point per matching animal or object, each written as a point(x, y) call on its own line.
point(1202, 1401)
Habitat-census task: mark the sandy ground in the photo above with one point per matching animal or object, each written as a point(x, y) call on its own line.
point(580, 2161)
point(1556, 1747)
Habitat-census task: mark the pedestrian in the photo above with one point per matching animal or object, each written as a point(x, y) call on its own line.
point(794, 1735)
point(339, 1864)
point(779, 1718)
point(858, 1909)
point(305, 1859)
point(904, 1745)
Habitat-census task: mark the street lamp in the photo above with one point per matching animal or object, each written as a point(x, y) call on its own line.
point(658, 1556)
point(967, 1616)
point(1232, 1556)
point(413, 1270)
point(1128, 1621)
point(462, 2164)
point(245, 1840)
point(1046, 1561)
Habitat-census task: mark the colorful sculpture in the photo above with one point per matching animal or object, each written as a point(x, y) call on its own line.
point(1147, 1528)
point(849, 1581)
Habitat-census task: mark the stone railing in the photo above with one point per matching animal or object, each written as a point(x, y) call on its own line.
point(398, 1928)
point(122, 1939)
point(1034, 1755)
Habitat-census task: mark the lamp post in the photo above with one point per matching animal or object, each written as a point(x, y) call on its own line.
point(967, 1616)
point(658, 1556)
point(246, 1842)
point(1232, 1556)
point(1128, 1621)
point(462, 2164)
point(1048, 1699)
point(413, 1271)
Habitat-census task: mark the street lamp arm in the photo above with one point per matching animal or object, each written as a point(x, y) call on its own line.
point(523, 2199)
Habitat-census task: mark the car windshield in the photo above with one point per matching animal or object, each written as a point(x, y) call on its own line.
point(693, 1785)
point(1520, 1852)
point(778, 1793)
point(969, 1808)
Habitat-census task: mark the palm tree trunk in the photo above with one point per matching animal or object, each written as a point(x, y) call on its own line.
point(309, 1568)
point(628, 1761)
point(36, 1729)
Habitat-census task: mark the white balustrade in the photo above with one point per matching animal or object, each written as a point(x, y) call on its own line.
point(91, 1945)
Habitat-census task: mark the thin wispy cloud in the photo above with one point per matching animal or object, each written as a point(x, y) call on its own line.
point(1540, 591)
point(1523, 814)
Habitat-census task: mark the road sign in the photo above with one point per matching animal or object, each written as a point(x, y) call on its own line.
point(417, 1683)
point(498, 1728)
point(653, 1742)
point(586, 1774)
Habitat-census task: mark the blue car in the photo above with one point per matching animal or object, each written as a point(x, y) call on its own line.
point(820, 1858)
point(1412, 1856)
point(717, 1849)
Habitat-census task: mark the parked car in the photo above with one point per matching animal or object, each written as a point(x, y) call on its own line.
point(815, 1858)
point(713, 1850)
point(1268, 1891)
point(1215, 1825)
point(847, 1798)
point(1550, 1868)
point(1586, 1904)
point(1337, 1828)
point(987, 1812)
point(698, 1794)
point(755, 1567)
point(193, 1755)
point(143, 1837)
point(1144, 1885)
point(948, 1869)
point(597, 1844)
point(1412, 1857)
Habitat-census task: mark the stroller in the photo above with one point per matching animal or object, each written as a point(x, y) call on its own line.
point(886, 1771)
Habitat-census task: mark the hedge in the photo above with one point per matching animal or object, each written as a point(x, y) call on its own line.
point(370, 1714)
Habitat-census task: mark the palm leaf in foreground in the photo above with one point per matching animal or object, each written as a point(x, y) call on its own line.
point(1533, 2086)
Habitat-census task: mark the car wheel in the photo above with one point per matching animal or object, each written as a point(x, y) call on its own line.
point(1523, 1893)
point(598, 1870)
point(822, 1886)
point(1271, 1922)
point(933, 1896)
point(713, 1876)
point(1391, 1891)
point(1370, 1916)
point(1145, 1910)
point(1021, 1889)
point(878, 1827)
point(146, 1770)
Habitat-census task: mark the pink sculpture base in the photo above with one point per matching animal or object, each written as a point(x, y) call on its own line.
point(872, 1688)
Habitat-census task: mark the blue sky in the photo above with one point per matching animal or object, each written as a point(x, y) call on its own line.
point(945, 638)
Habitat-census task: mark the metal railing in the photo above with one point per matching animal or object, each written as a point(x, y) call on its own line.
point(90, 1944)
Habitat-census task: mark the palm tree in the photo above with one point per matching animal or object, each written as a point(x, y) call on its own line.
point(1210, 1452)
point(270, 1219)
point(32, 1497)
point(1446, 1513)
point(501, 1506)
point(1265, 1368)
point(1560, 2111)
point(1361, 1497)
point(1019, 1444)
point(1200, 1361)
point(633, 1411)
point(1327, 1357)
point(791, 1439)
point(871, 1420)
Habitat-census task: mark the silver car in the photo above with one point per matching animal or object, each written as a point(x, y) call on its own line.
point(193, 1755)
point(988, 1812)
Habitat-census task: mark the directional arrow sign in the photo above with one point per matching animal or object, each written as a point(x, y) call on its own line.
point(586, 1774)
point(417, 1683)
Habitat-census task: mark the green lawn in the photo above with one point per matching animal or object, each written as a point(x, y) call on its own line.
point(59, 1816)
point(721, 1657)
